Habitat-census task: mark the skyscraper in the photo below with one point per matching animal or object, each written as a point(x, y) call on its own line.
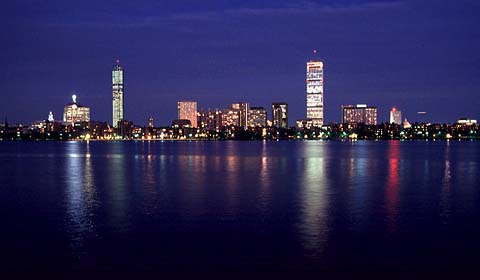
point(117, 94)
point(187, 110)
point(359, 114)
point(395, 116)
point(242, 108)
point(315, 92)
point(280, 114)
point(236, 115)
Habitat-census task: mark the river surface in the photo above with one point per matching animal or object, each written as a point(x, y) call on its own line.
point(240, 206)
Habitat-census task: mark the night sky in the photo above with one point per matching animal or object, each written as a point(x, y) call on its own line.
point(416, 55)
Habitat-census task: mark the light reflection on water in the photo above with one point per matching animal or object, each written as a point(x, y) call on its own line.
point(296, 199)
point(445, 207)
point(314, 202)
point(360, 164)
point(118, 188)
point(264, 194)
point(81, 196)
point(393, 184)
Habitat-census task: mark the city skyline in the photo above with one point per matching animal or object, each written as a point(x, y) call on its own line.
point(393, 64)
point(187, 110)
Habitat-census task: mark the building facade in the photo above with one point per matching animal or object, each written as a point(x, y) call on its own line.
point(187, 110)
point(257, 117)
point(209, 119)
point(75, 113)
point(236, 115)
point(395, 116)
point(315, 92)
point(280, 114)
point(242, 109)
point(361, 113)
point(117, 94)
point(230, 117)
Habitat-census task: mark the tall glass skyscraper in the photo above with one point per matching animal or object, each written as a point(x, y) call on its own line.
point(117, 94)
point(315, 92)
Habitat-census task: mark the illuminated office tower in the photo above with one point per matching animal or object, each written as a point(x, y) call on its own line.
point(242, 109)
point(117, 94)
point(187, 110)
point(280, 114)
point(315, 92)
point(75, 113)
point(257, 117)
point(359, 114)
point(395, 116)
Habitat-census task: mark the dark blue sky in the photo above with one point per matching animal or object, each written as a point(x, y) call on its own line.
point(416, 55)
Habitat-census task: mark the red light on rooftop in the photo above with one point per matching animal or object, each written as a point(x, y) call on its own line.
point(314, 51)
point(394, 109)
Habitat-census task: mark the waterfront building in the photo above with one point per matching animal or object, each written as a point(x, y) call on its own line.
point(315, 92)
point(242, 109)
point(100, 130)
point(230, 117)
point(361, 113)
point(181, 123)
point(214, 119)
point(406, 124)
point(257, 117)
point(395, 116)
point(280, 114)
point(75, 113)
point(466, 121)
point(236, 115)
point(304, 124)
point(117, 94)
point(202, 119)
point(187, 110)
point(209, 119)
point(125, 129)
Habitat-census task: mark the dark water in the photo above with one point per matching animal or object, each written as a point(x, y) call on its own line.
point(240, 206)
